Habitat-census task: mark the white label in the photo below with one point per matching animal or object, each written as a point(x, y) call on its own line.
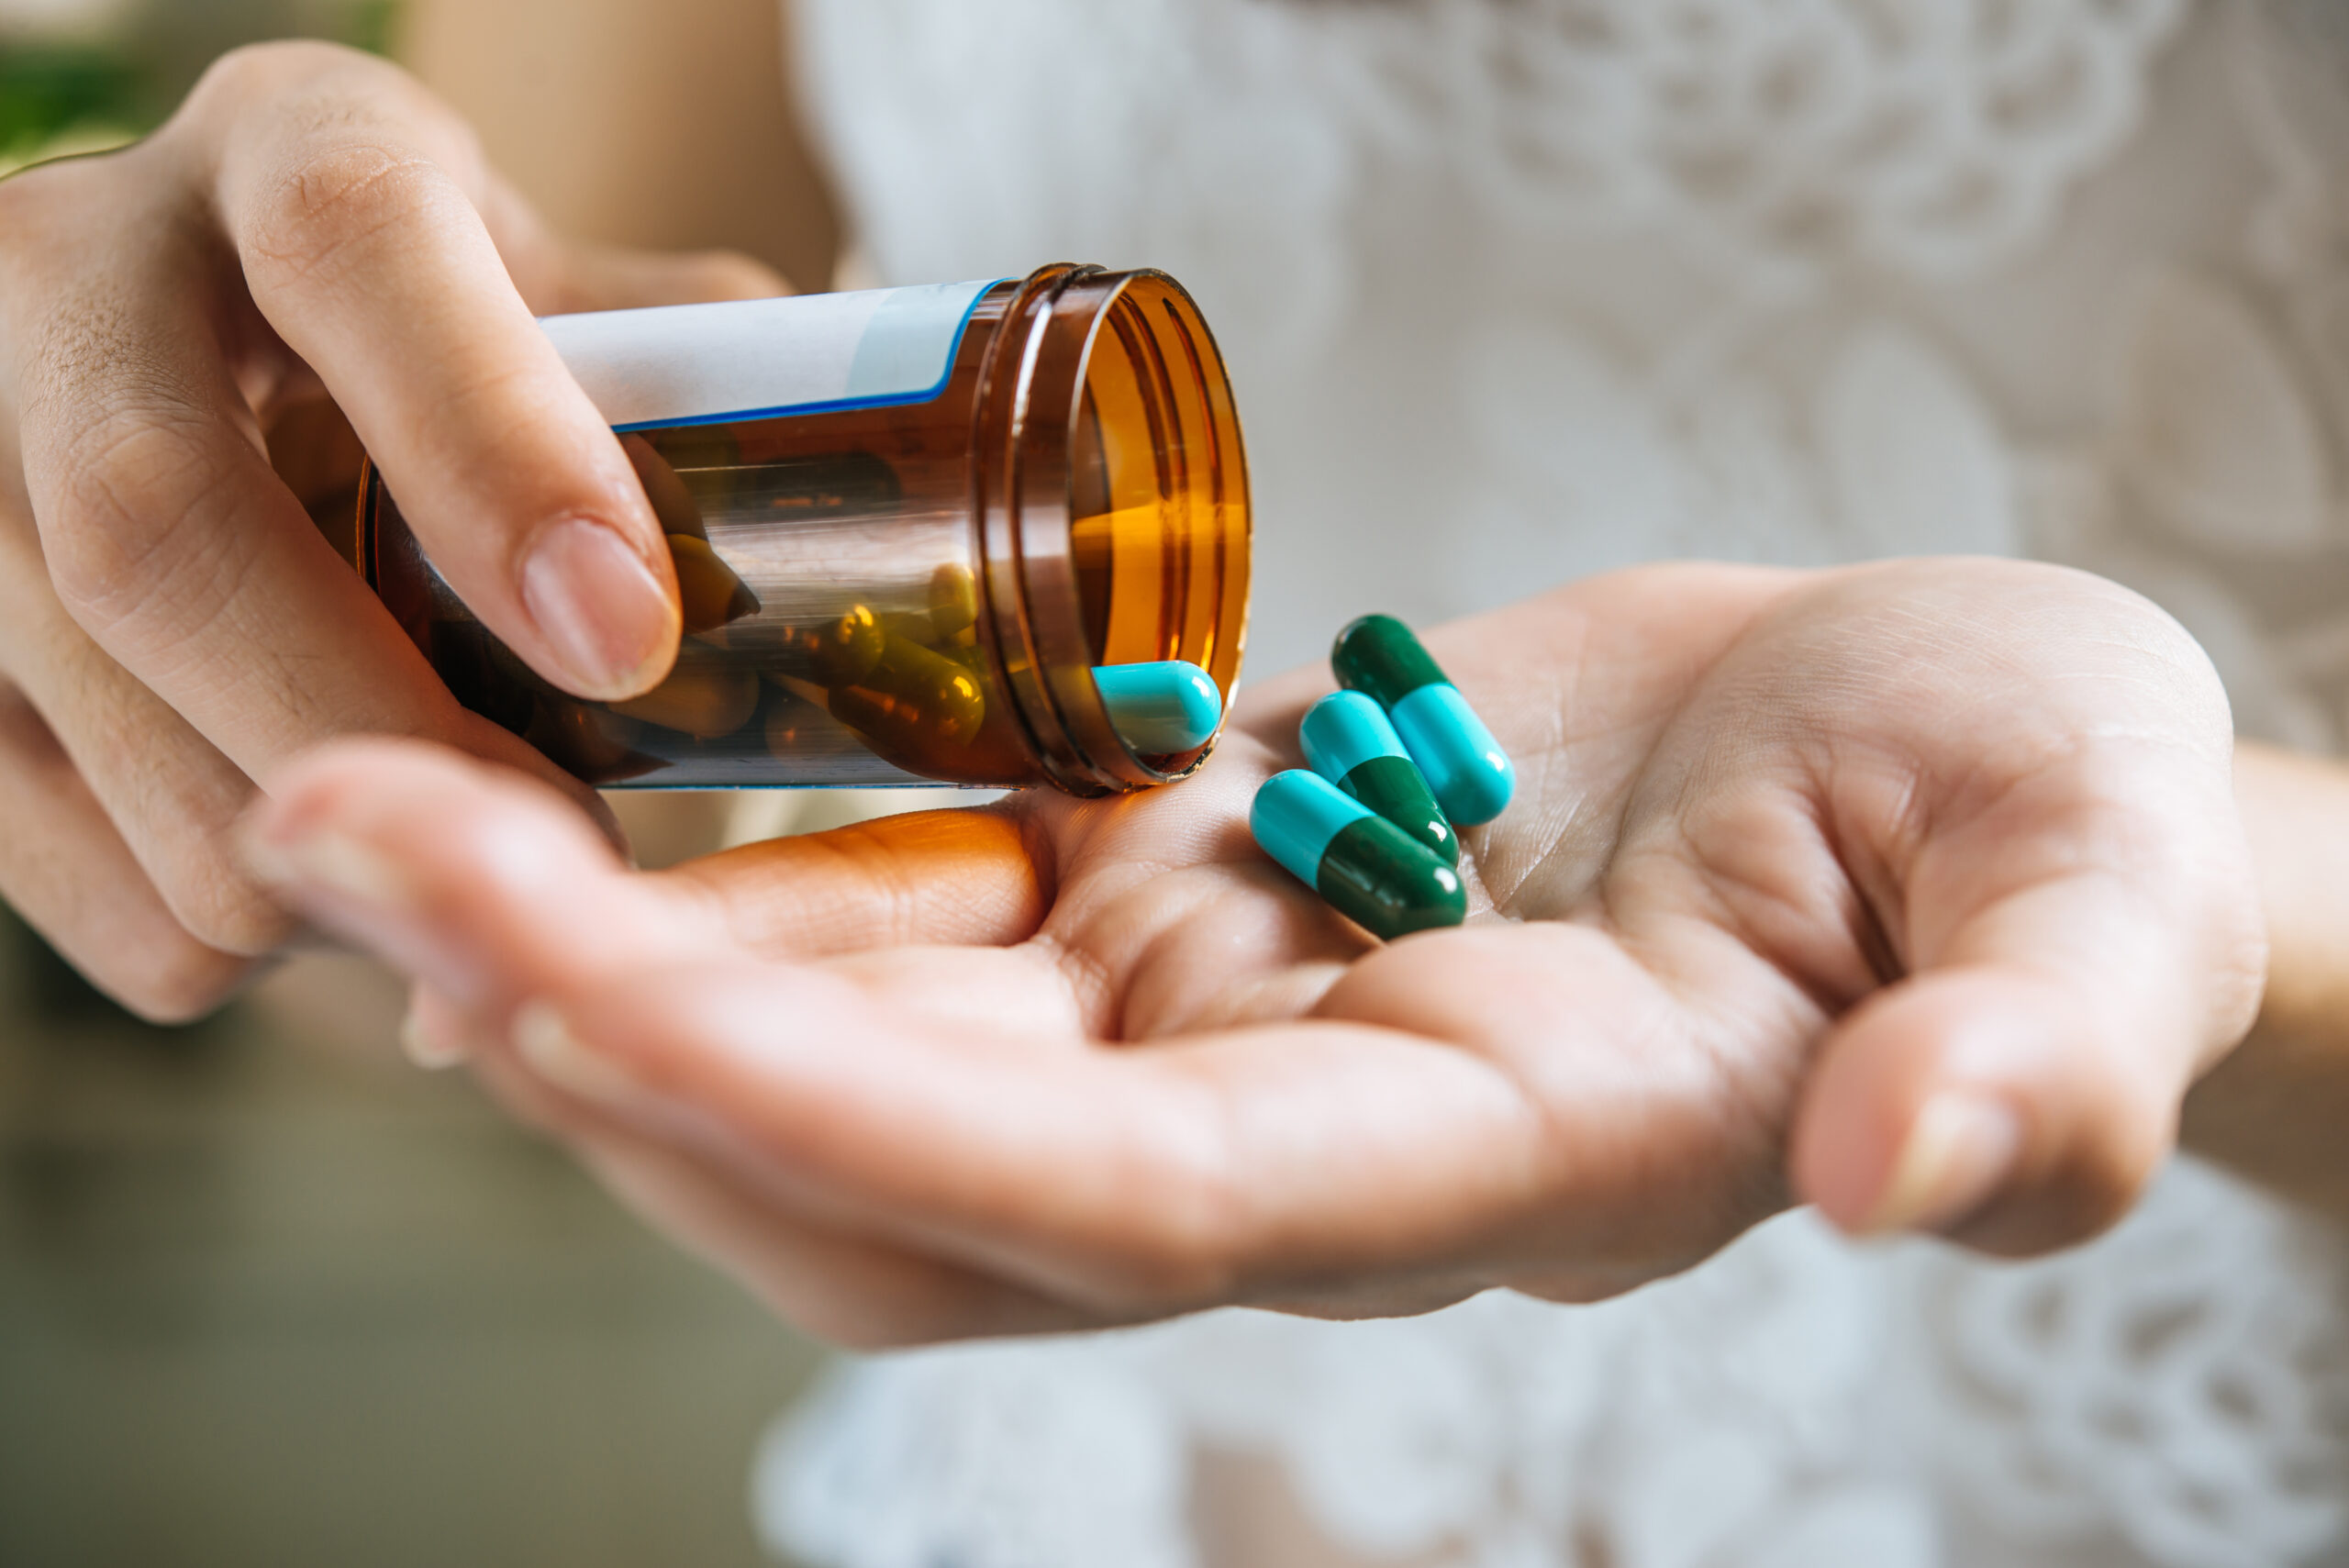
point(695, 364)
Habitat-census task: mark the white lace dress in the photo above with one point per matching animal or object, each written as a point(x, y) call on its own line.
point(1517, 290)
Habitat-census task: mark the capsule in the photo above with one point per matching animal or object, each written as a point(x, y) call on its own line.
point(707, 590)
point(704, 703)
point(1366, 868)
point(671, 502)
point(1471, 776)
point(912, 696)
point(1349, 742)
point(1161, 707)
point(954, 598)
point(839, 650)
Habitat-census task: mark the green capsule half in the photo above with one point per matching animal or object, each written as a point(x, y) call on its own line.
point(1348, 740)
point(1366, 868)
point(1473, 778)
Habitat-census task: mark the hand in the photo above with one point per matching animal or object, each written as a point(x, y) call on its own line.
point(311, 225)
point(1916, 891)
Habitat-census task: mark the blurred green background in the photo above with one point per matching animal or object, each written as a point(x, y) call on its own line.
point(76, 74)
point(268, 1295)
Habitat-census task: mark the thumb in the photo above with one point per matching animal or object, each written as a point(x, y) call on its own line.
point(2018, 1091)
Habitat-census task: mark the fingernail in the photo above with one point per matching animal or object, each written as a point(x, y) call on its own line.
point(426, 1046)
point(603, 613)
point(1960, 1148)
point(545, 1041)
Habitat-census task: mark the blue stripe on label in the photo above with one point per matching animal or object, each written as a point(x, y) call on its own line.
point(787, 410)
point(1342, 731)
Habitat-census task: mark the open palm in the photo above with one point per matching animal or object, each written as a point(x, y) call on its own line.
point(1916, 891)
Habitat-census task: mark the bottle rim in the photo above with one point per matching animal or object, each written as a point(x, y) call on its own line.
point(1191, 547)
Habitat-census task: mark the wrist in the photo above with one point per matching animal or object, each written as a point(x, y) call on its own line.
point(2276, 1107)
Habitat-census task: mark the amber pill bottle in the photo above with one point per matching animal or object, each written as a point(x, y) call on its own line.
point(908, 525)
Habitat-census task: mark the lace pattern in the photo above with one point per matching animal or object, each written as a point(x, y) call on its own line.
point(1600, 281)
point(1924, 134)
point(1929, 136)
point(1793, 1402)
point(2123, 1387)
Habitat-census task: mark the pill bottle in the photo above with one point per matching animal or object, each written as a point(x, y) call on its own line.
point(908, 525)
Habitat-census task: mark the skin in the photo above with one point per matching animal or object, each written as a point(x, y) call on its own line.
point(1728, 961)
point(313, 245)
point(1799, 863)
point(2274, 1107)
point(661, 127)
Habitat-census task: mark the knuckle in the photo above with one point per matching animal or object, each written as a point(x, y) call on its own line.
point(174, 979)
point(333, 202)
point(493, 404)
point(127, 525)
point(224, 909)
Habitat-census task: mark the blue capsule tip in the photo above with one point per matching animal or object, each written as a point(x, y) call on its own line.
point(1161, 707)
point(1342, 731)
point(1473, 778)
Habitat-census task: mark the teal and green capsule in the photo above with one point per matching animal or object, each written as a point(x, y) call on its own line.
point(1366, 868)
point(1161, 707)
point(1349, 742)
point(1471, 776)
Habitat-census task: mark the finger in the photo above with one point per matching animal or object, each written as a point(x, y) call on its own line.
point(848, 1290)
point(172, 542)
point(436, 1034)
point(1130, 1182)
point(907, 1099)
point(421, 853)
point(486, 855)
point(945, 1100)
point(974, 878)
point(170, 796)
point(2077, 967)
point(352, 199)
point(837, 1285)
point(841, 1287)
point(70, 875)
